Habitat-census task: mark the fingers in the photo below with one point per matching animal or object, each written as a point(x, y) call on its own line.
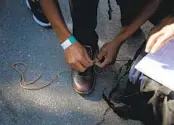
point(82, 62)
point(98, 61)
point(160, 34)
point(77, 66)
point(104, 64)
point(155, 29)
point(107, 55)
point(107, 60)
point(153, 38)
point(88, 59)
point(166, 21)
point(101, 55)
point(161, 41)
point(85, 60)
point(76, 56)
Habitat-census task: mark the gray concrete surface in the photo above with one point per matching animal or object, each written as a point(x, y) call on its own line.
point(22, 40)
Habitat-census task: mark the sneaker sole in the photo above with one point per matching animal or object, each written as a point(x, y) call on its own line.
point(35, 19)
point(28, 5)
point(41, 23)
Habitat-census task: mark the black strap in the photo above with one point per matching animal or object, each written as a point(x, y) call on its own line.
point(118, 80)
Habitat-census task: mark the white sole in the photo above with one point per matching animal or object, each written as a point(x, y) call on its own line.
point(28, 5)
point(41, 23)
point(35, 19)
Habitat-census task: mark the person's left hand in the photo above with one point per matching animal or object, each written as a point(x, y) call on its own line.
point(160, 35)
point(107, 55)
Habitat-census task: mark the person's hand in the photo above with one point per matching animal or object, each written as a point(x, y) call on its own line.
point(107, 55)
point(77, 57)
point(160, 35)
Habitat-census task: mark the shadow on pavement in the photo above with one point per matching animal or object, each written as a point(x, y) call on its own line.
point(31, 115)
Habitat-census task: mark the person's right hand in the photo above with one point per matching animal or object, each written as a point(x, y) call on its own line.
point(77, 57)
point(160, 34)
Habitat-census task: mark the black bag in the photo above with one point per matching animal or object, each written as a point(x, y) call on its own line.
point(143, 98)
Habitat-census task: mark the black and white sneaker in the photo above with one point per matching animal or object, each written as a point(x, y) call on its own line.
point(38, 14)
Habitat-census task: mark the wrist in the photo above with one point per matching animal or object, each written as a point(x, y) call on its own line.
point(63, 34)
point(68, 42)
point(120, 38)
point(117, 43)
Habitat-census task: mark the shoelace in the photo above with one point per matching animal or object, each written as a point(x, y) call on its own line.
point(27, 85)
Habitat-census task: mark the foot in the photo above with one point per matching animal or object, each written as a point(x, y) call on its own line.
point(84, 83)
point(38, 14)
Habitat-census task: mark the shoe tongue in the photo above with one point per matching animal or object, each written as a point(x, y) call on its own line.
point(87, 72)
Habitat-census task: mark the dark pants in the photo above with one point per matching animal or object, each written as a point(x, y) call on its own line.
point(84, 17)
point(131, 8)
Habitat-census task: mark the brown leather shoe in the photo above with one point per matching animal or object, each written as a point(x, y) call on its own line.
point(84, 83)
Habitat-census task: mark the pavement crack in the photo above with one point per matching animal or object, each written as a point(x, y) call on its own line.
point(103, 117)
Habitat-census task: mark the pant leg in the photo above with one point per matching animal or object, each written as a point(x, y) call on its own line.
point(165, 8)
point(130, 9)
point(84, 17)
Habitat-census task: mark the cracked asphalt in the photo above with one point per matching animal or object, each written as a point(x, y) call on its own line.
point(22, 40)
